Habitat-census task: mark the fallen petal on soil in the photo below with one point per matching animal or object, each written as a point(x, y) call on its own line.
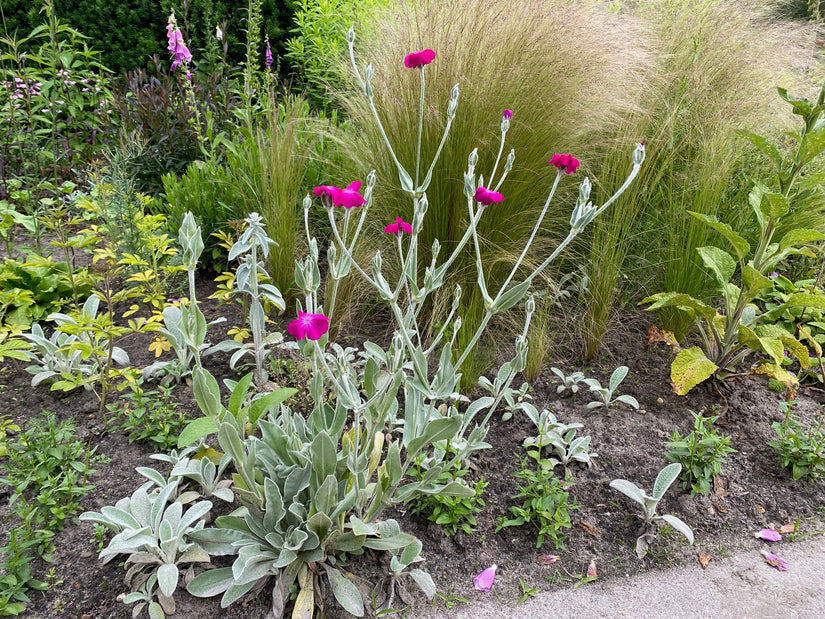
point(548, 559)
point(769, 535)
point(485, 580)
point(774, 561)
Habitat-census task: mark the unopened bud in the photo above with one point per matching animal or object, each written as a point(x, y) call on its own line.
point(371, 179)
point(218, 33)
point(639, 154)
point(307, 202)
point(584, 191)
point(423, 204)
point(472, 160)
point(530, 305)
point(454, 93)
point(508, 165)
point(505, 125)
point(351, 35)
point(436, 249)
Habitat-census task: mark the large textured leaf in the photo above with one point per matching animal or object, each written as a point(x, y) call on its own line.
point(629, 489)
point(720, 263)
point(195, 430)
point(740, 245)
point(812, 144)
point(764, 145)
point(207, 392)
point(804, 299)
point(753, 281)
point(168, 578)
point(424, 582)
point(689, 368)
point(681, 301)
point(345, 592)
point(305, 602)
point(800, 236)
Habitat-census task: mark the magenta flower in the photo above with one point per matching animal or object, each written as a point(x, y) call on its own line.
point(349, 197)
point(398, 227)
point(487, 197)
point(568, 162)
point(485, 580)
point(774, 274)
point(180, 53)
point(312, 326)
point(508, 114)
point(769, 535)
point(774, 561)
point(268, 54)
point(419, 59)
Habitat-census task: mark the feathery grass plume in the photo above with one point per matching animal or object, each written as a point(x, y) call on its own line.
point(714, 72)
point(560, 66)
point(269, 168)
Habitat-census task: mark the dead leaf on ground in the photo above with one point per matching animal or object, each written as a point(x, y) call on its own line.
point(544, 559)
point(591, 529)
point(719, 487)
point(654, 334)
point(591, 569)
point(787, 529)
point(719, 508)
point(704, 559)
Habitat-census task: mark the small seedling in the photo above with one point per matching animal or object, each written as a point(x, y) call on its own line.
point(606, 393)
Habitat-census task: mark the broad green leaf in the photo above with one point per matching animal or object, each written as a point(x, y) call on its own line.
point(511, 297)
point(324, 455)
point(617, 377)
point(774, 371)
point(239, 394)
point(774, 205)
point(801, 106)
point(424, 582)
point(629, 489)
point(740, 245)
point(720, 263)
point(765, 145)
point(805, 299)
point(754, 281)
point(195, 430)
point(813, 143)
point(689, 368)
point(168, 578)
point(269, 402)
point(682, 301)
point(800, 236)
point(345, 592)
point(207, 393)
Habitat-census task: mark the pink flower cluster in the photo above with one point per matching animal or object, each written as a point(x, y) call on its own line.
point(180, 53)
point(568, 162)
point(268, 57)
point(419, 59)
point(335, 196)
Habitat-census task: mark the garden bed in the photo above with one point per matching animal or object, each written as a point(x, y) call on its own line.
point(752, 492)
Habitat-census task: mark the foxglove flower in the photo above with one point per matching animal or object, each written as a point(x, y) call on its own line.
point(485, 580)
point(180, 53)
point(419, 59)
point(398, 227)
point(349, 197)
point(568, 162)
point(487, 197)
point(268, 55)
point(311, 326)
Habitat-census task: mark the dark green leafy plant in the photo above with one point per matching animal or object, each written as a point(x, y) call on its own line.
point(701, 453)
point(453, 513)
point(800, 448)
point(149, 416)
point(546, 502)
point(15, 574)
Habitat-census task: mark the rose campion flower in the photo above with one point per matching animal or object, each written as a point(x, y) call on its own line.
point(485, 580)
point(487, 197)
point(268, 54)
point(568, 162)
point(311, 326)
point(349, 197)
point(398, 227)
point(508, 114)
point(419, 59)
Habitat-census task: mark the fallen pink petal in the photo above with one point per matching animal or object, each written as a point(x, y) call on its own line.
point(774, 561)
point(591, 569)
point(769, 535)
point(485, 580)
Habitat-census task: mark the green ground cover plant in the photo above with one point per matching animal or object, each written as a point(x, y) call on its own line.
point(701, 452)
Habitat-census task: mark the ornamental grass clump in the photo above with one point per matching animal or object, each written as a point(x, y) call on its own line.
point(314, 484)
point(547, 79)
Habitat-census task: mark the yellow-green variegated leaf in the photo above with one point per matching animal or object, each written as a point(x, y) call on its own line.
point(807, 335)
point(805, 299)
point(689, 368)
point(774, 371)
point(788, 341)
point(761, 342)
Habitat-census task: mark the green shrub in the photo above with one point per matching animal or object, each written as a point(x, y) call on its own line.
point(701, 453)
